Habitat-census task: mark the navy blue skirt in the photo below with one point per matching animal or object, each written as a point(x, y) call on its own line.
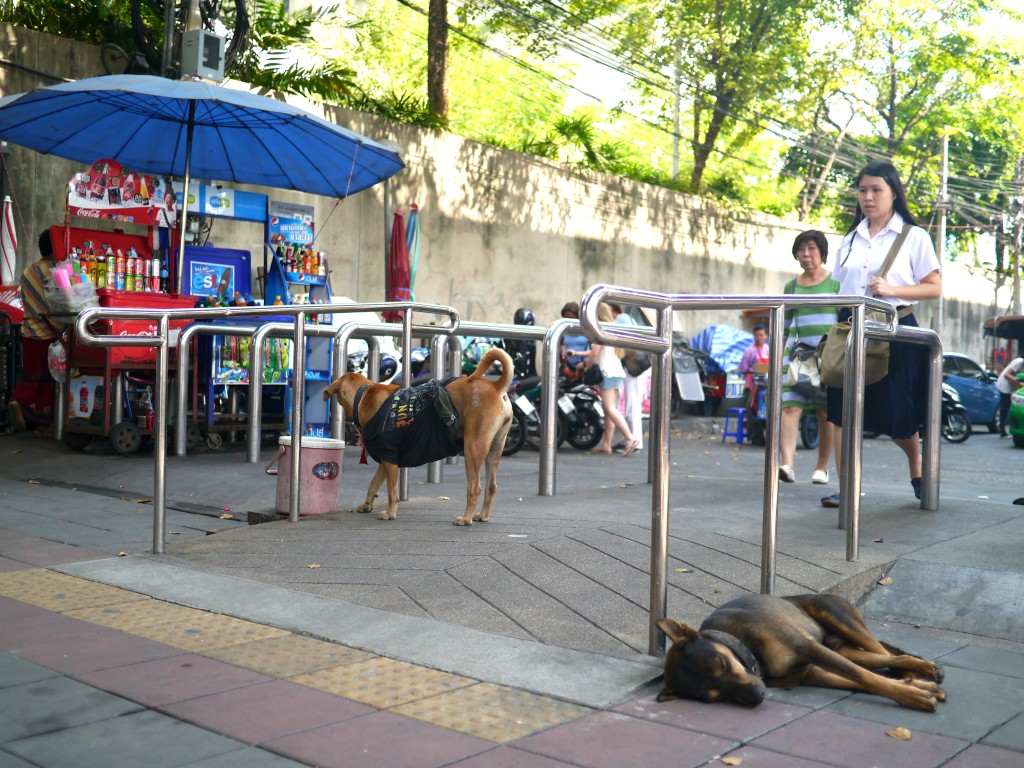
point(896, 405)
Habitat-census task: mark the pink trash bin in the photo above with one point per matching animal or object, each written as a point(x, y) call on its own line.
point(319, 474)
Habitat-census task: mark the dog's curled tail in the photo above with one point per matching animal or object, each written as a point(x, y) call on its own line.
point(492, 356)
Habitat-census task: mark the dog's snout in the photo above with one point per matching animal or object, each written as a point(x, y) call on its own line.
point(750, 695)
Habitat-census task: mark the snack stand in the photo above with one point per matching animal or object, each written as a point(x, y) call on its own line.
point(109, 389)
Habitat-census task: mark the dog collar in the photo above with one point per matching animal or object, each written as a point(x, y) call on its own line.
point(355, 404)
point(739, 650)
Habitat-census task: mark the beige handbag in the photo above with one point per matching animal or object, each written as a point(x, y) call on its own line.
point(832, 347)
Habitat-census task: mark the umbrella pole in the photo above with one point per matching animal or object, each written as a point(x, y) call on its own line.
point(184, 192)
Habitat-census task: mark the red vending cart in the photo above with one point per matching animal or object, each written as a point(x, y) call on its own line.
point(109, 389)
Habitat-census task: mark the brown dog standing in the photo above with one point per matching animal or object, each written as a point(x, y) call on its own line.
point(820, 640)
point(486, 414)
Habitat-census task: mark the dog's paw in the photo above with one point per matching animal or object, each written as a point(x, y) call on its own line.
point(480, 517)
point(463, 521)
point(364, 508)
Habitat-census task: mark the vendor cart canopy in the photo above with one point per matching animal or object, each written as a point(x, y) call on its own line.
point(145, 122)
point(1006, 327)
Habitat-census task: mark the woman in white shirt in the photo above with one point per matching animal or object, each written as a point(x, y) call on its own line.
point(895, 405)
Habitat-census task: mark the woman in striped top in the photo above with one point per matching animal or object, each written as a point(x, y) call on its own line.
point(807, 326)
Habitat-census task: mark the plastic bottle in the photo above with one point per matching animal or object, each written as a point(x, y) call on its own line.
point(278, 302)
point(239, 301)
point(164, 277)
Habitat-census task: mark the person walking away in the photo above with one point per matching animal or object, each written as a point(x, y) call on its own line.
point(896, 405)
point(1007, 384)
point(806, 326)
point(31, 405)
point(574, 347)
point(633, 402)
point(614, 377)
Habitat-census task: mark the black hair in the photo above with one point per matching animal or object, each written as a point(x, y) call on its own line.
point(760, 327)
point(45, 244)
point(815, 236)
point(886, 171)
point(573, 307)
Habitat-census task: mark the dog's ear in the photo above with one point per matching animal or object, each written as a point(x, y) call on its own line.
point(678, 632)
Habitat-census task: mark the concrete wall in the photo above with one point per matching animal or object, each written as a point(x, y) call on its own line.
point(500, 229)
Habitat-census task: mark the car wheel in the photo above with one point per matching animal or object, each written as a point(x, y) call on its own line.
point(1018, 441)
point(996, 425)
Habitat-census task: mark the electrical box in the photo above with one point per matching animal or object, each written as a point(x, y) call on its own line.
point(202, 55)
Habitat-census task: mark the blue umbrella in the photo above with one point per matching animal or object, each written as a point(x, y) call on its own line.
point(724, 344)
point(186, 128)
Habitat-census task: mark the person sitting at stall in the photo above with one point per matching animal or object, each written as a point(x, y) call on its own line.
point(31, 405)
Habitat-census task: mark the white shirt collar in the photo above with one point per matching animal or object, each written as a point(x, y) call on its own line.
point(895, 224)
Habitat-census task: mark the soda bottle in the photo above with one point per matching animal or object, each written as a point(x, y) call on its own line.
point(101, 271)
point(164, 278)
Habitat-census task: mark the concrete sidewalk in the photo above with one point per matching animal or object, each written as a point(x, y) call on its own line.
point(517, 642)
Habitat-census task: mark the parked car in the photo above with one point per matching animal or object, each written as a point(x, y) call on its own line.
point(1015, 418)
point(976, 387)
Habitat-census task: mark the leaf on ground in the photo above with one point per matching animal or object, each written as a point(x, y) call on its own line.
point(17, 450)
point(226, 516)
point(885, 582)
point(627, 485)
point(122, 554)
point(444, 498)
point(732, 760)
point(33, 481)
point(899, 732)
point(877, 541)
point(142, 501)
point(313, 565)
point(682, 570)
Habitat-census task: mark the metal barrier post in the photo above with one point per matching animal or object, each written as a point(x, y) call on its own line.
point(160, 437)
point(660, 447)
point(403, 472)
point(549, 403)
point(438, 344)
point(770, 499)
point(298, 407)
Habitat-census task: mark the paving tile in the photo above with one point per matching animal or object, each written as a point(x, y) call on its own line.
point(7, 760)
point(379, 739)
point(143, 612)
point(103, 649)
point(59, 592)
point(165, 681)
point(15, 670)
point(752, 757)
point(728, 721)
point(1009, 735)
point(143, 738)
point(7, 564)
point(11, 608)
point(853, 743)
point(25, 630)
point(247, 757)
point(383, 682)
point(54, 704)
point(510, 757)
point(976, 703)
point(991, 660)
point(287, 655)
point(613, 740)
point(258, 713)
point(492, 712)
point(41, 552)
point(990, 757)
point(201, 631)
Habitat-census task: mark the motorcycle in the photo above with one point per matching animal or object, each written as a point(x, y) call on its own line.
point(956, 424)
point(691, 370)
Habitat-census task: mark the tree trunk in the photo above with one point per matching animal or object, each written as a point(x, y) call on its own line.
point(437, 59)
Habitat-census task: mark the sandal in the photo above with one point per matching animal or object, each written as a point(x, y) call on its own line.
point(630, 447)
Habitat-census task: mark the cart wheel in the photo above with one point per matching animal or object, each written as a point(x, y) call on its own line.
point(125, 437)
point(76, 441)
point(214, 440)
point(193, 437)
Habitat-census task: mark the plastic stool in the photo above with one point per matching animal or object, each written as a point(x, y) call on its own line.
point(738, 431)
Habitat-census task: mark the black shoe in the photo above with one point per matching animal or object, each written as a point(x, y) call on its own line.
point(831, 502)
point(916, 482)
point(619, 446)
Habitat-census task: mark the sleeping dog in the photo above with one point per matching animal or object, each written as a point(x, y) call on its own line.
point(760, 640)
point(475, 415)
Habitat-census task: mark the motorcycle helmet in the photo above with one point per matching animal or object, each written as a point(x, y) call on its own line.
point(524, 316)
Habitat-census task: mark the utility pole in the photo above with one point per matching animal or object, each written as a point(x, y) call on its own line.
point(677, 81)
point(943, 205)
point(1017, 209)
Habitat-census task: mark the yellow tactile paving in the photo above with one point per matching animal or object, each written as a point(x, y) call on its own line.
point(492, 712)
point(383, 683)
point(287, 655)
point(202, 631)
point(144, 612)
point(59, 592)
